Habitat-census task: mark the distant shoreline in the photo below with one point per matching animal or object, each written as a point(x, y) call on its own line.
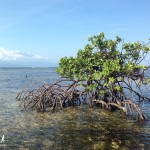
point(27, 67)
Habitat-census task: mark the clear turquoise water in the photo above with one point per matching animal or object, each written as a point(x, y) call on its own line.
point(72, 128)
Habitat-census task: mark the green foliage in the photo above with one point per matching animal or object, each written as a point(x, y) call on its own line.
point(102, 60)
point(147, 81)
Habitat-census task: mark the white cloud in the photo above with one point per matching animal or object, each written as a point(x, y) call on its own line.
point(38, 57)
point(15, 55)
point(9, 54)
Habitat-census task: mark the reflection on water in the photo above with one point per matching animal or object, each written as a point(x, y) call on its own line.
point(72, 128)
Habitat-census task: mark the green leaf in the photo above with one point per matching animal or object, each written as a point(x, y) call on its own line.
point(117, 88)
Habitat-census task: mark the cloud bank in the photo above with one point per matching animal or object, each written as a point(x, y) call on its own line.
point(17, 55)
point(15, 58)
point(9, 54)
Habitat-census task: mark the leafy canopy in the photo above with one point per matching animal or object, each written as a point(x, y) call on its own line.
point(104, 60)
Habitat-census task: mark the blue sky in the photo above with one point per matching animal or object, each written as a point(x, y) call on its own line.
point(40, 32)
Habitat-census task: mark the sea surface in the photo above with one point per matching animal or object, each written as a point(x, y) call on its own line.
point(73, 128)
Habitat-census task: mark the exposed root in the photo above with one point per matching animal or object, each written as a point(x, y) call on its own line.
point(65, 92)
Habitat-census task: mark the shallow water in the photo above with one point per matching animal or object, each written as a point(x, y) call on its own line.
point(72, 128)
